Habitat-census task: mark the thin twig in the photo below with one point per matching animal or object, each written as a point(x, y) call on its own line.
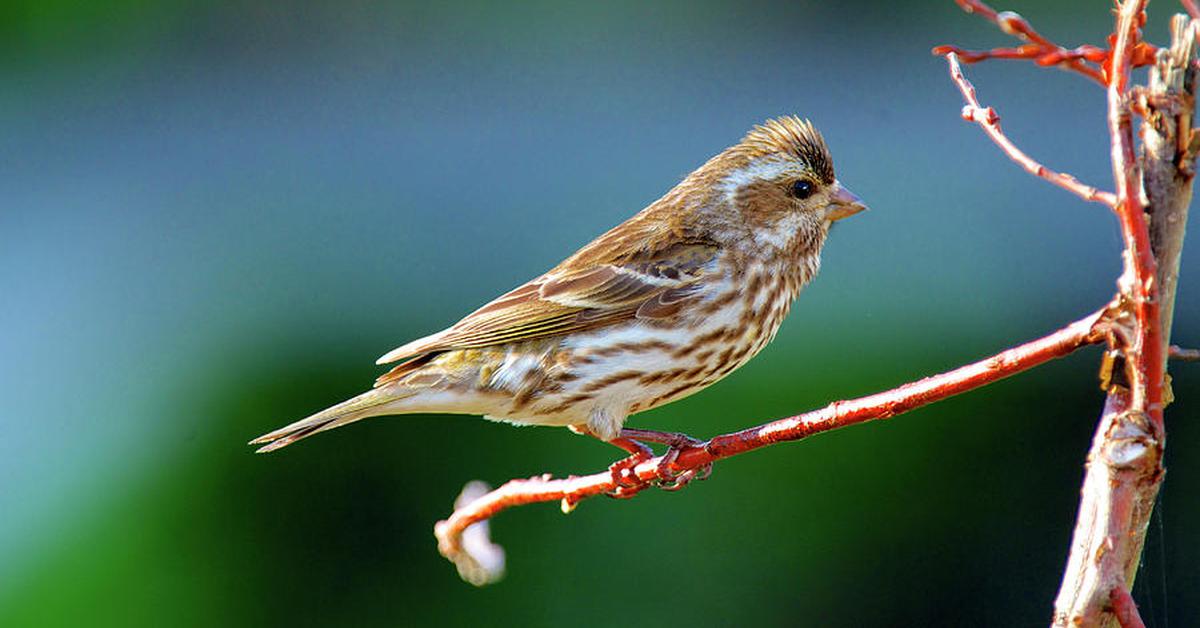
point(882, 405)
point(1007, 21)
point(1090, 61)
point(989, 121)
point(1071, 59)
point(1183, 355)
point(1040, 49)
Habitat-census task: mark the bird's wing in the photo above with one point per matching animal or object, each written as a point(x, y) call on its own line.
point(647, 285)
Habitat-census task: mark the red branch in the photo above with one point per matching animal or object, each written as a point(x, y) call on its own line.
point(1125, 609)
point(1191, 8)
point(838, 414)
point(1090, 61)
point(989, 121)
point(1071, 59)
point(1177, 352)
point(1138, 284)
point(1124, 464)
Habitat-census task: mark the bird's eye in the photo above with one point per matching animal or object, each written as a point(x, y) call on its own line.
point(802, 189)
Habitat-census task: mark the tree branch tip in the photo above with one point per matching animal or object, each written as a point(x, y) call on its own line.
point(479, 561)
point(1011, 23)
point(982, 115)
point(1181, 354)
point(974, 6)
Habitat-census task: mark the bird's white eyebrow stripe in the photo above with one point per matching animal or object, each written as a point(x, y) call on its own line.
point(758, 170)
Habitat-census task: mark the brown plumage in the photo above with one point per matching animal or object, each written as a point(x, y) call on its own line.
point(661, 306)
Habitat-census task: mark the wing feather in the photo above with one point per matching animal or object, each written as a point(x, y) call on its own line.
point(649, 285)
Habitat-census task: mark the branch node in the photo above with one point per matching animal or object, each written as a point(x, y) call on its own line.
point(1131, 437)
point(1125, 609)
point(1011, 23)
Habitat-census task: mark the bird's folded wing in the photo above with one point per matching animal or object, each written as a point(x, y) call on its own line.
point(649, 286)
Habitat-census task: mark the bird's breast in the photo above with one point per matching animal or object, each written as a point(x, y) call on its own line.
point(636, 366)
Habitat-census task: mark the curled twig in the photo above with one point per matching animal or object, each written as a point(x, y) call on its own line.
point(479, 561)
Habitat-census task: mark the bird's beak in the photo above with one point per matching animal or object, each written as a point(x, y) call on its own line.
point(843, 203)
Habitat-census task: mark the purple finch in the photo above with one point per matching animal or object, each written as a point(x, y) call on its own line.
point(659, 307)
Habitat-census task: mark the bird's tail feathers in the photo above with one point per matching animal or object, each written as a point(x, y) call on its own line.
point(360, 407)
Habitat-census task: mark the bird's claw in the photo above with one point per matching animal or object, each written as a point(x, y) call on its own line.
point(668, 479)
point(627, 483)
point(625, 480)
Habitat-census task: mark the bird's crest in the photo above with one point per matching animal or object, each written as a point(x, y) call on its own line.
point(791, 136)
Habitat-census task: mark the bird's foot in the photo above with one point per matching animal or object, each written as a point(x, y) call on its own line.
point(668, 478)
point(623, 471)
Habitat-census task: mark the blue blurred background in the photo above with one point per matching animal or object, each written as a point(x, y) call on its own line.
point(217, 215)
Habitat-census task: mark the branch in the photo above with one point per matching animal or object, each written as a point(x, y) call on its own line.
point(1071, 59)
point(1169, 153)
point(1125, 609)
point(1190, 7)
point(1138, 283)
point(571, 490)
point(1041, 50)
point(1124, 468)
point(989, 121)
point(1184, 355)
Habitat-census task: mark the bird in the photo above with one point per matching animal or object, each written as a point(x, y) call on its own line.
point(659, 307)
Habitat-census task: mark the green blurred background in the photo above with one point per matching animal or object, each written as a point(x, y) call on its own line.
point(216, 215)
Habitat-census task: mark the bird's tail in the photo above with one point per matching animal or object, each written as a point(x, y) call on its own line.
point(365, 405)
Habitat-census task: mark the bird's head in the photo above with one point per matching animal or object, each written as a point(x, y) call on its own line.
point(778, 184)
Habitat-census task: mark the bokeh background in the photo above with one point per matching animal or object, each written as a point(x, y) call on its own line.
point(215, 217)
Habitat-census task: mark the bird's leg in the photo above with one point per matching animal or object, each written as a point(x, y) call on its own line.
point(627, 482)
point(675, 442)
